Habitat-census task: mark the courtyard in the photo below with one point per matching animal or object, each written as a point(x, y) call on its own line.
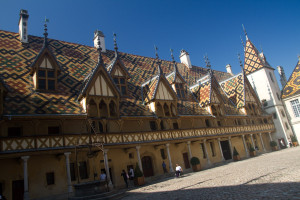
point(274, 175)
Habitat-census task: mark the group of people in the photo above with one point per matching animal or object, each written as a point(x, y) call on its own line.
point(129, 175)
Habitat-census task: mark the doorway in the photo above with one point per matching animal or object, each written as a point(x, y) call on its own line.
point(226, 150)
point(186, 160)
point(147, 166)
point(18, 190)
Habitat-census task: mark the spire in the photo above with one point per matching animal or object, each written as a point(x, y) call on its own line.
point(115, 45)
point(240, 61)
point(242, 42)
point(245, 32)
point(158, 62)
point(99, 49)
point(173, 60)
point(46, 33)
point(207, 63)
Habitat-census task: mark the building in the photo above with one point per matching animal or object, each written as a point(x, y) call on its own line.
point(291, 97)
point(69, 111)
point(262, 78)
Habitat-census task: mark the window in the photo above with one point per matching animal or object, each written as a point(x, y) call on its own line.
point(50, 178)
point(121, 84)
point(296, 107)
point(73, 171)
point(162, 127)
point(153, 125)
point(282, 113)
point(265, 121)
point(287, 126)
point(14, 131)
point(53, 130)
point(46, 75)
point(100, 127)
point(180, 90)
point(162, 153)
point(175, 125)
point(203, 150)
point(166, 109)
point(112, 109)
point(219, 123)
point(207, 123)
point(212, 147)
point(130, 155)
point(271, 77)
point(83, 170)
point(278, 97)
point(274, 115)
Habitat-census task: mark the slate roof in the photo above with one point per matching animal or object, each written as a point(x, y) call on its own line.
point(292, 86)
point(77, 63)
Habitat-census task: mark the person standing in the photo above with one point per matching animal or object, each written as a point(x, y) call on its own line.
point(125, 177)
point(131, 176)
point(164, 167)
point(178, 170)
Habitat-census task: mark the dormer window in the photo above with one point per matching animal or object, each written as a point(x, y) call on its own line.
point(180, 90)
point(46, 76)
point(121, 84)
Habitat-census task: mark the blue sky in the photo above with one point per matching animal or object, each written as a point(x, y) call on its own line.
point(200, 27)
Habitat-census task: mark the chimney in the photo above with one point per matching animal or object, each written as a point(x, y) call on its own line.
point(23, 26)
point(185, 58)
point(282, 76)
point(228, 68)
point(100, 35)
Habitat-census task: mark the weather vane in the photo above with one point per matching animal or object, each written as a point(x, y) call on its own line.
point(156, 54)
point(172, 55)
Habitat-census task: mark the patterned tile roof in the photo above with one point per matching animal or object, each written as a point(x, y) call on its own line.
point(253, 59)
point(292, 87)
point(77, 63)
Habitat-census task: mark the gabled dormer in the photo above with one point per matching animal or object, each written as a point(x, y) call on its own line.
point(99, 96)
point(45, 68)
point(118, 72)
point(159, 96)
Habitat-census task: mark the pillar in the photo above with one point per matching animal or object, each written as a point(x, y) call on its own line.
point(206, 154)
point(110, 185)
point(245, 146)
point(189, 148)
point(139, 157)
point(270, 137)
point(221, 151)
point(262, 142)
point(230, 145)
point(26, 192)
point(67, 154)
point(253, 145)
point(169, 158)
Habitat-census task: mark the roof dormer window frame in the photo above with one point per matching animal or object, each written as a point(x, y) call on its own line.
point(121, 83)
point(46, 75)
point(180, 90)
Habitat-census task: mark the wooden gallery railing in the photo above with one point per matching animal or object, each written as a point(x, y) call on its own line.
point(67, 141)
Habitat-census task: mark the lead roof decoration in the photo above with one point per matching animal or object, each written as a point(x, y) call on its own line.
point(78, 63)
point(292, 87)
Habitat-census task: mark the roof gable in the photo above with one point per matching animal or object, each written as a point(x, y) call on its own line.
point(292, 87)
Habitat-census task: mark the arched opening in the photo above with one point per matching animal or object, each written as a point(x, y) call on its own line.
point(159, 110)
point(92, 109)
point(112, 109)
point(166, 109)
point(147, 166)
point(173, 109)
point(214, 110)
point(103, 109)
point(207, 122)
point(101, 130)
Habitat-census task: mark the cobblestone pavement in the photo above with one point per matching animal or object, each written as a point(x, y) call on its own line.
point(274, 175)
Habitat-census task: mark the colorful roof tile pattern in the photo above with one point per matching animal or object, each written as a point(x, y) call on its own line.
point(292, 87)
point(253, 59)
point(77, 63)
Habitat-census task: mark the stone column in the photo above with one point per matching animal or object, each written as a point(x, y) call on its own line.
point(230, 145)
point(262, 142)
point(110, 185)
point(270, 137)
point(245, 146)
point(222, 156)
point(206, 154)
point(189, 148)
point(139, 157)
point(252, 141)
point(26, 192)
point(67, 154)
point(169, 158)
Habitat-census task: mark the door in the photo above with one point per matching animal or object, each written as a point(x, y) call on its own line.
point(17, 190)
point(186, 160)
point(226, 150)
point(147, 166)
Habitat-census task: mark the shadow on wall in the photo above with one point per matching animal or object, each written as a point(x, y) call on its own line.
point(289, 190)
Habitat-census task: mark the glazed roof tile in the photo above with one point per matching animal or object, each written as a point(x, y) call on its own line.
point(292, 86)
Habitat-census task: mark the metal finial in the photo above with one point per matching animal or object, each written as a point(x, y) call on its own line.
point(207, 62)
point(242, 42)
point(245, 32)
point(99, 49)
point(115, 43)
point(240, 61)
point(156, 54)
point(172, 56)
point(45, 29)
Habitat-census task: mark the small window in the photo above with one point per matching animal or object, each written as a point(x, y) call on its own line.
point(162, 126)
point(296, 107)
point(100, 127)
point(180, 90)
point(278, 97)
point(219, 123)
point(53, 130)
point(50, 178)
point(121, 84)
point(212, 147)
point(282, 113)
point(271, 77)
point(14, 131)
point(162, 153)
point(83, 170)
point(175, 125)
point(274, 115)
point(73, 171)
point(130, 155)
point(203, 150)
point(207, 122)
point(265, 121)
point(153, 125)
point(287, 126)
